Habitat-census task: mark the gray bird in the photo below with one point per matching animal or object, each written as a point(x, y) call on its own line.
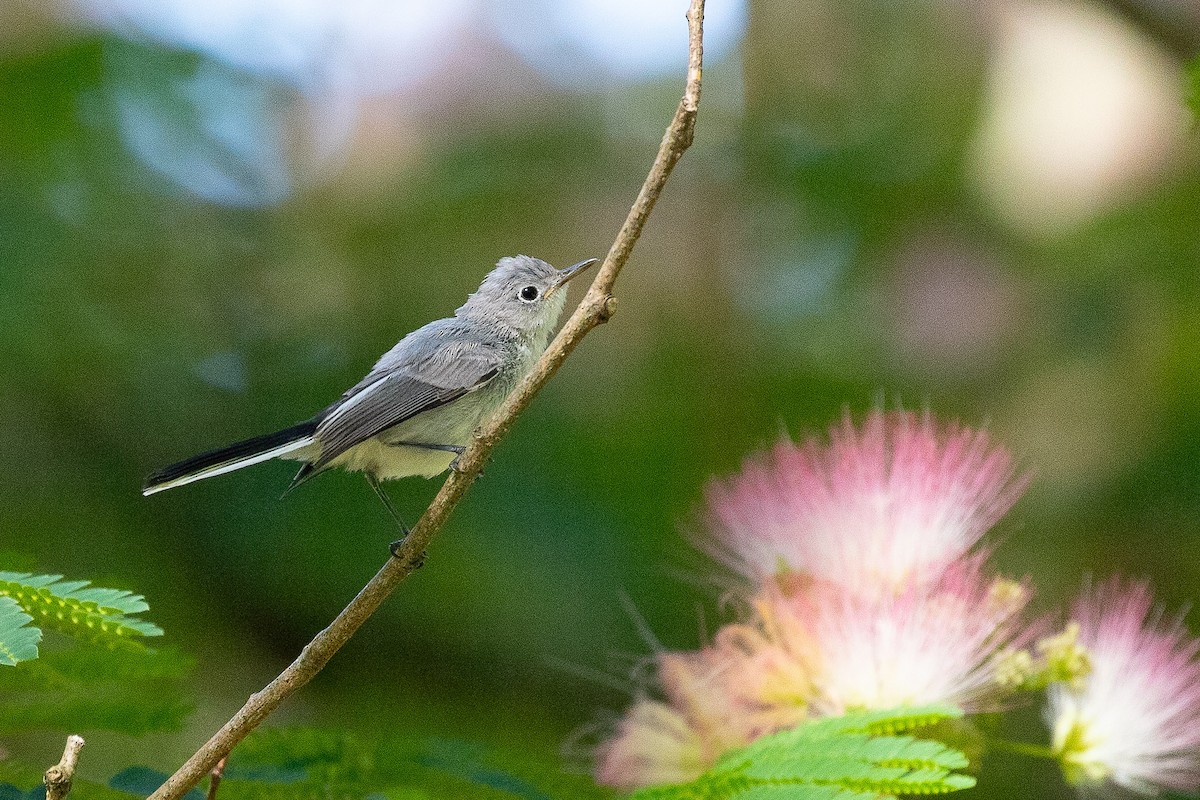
point(419, 405)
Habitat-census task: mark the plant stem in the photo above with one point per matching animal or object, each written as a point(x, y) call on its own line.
point(1024, 748)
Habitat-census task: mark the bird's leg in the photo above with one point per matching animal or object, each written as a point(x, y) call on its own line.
point(457, 449)
point(373, 482)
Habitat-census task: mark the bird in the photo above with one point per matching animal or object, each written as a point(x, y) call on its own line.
point(417, 408)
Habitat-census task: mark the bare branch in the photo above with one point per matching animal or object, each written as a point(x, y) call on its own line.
point(58, 778)
point(596, 308)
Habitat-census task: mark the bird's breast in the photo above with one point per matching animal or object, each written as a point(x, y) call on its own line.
point(387, 462)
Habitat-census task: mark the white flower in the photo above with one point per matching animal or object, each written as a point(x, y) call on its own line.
point(930, 644)
point(1136, 720)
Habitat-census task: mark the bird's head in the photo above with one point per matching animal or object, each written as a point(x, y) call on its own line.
point(522, 293)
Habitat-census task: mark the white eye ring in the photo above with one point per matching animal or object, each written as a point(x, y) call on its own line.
point(528, 295)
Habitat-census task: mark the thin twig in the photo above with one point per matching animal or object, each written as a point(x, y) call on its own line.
point(58, 778)
point(214, 780)
point(596, 308)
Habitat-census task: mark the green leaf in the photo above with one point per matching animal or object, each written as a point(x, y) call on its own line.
point(75, 608)
point(860, 756)
point(18, 641)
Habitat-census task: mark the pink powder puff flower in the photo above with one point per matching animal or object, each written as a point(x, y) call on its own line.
point(707, 713)
point(821, 651)
point(1136, 719)
point(653, 744)
point(936, 644)
point(897, 498)
point(675, 741)
point(775, 664)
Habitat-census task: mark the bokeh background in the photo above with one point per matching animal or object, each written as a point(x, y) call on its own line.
point(215, 216)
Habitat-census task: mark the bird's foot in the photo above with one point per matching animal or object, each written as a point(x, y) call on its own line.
point(414, 563)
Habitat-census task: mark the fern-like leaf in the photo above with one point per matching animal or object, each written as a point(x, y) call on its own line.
point(18, 641)
point(77, 609)
point(859, 756)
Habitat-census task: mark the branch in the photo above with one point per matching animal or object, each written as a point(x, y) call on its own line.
point(596, 308)
point(58, 778)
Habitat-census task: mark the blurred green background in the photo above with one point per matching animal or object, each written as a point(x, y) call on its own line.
point(214, 217)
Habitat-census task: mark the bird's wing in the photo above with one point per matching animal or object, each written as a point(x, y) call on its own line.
point(391, 396)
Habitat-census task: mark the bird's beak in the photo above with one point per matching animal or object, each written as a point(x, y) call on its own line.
point(565, 275)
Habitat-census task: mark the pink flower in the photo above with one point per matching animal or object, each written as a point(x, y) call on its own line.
point(653, 744)
point(872, 594)
point(820, 650)
point(1136, 720)
point(898, 499)
point(674, 741)
point(708, 710)
point(933, 644)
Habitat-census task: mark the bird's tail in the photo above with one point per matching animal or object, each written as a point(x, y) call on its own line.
point(235, 456)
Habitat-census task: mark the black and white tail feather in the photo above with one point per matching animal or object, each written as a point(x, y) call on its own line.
point(232, 457)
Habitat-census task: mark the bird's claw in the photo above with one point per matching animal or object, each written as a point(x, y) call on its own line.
point(456, 468)
point(396, 549)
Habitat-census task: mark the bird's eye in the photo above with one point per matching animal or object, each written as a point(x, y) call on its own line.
point(529, 294)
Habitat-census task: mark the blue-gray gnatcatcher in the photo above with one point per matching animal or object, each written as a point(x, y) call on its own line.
point(419, 405)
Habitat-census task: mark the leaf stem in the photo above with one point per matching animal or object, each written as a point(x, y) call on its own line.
point(1024, 748)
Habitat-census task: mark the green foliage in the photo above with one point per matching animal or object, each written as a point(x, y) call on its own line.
point(18, 641)
point(303, 763)
point(127, 690)
point(860, 756)
point(143, 781)
point(74, 608)
point(20, 781)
